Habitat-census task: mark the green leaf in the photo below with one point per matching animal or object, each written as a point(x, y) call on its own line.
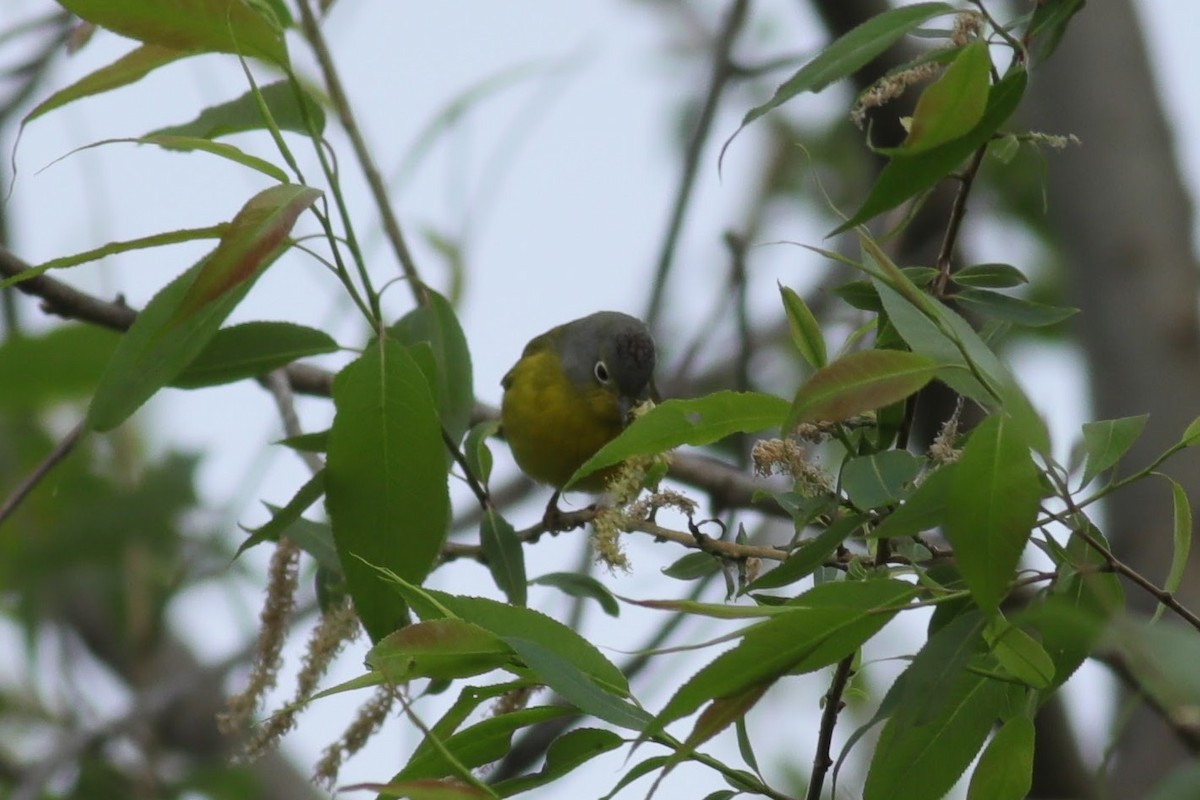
point(859, 382)
point(505, 556)
point(63, 363)
point(696, 422)
point(906, 176)
point(387, 491)
point(990, 508)
point(223, 26)
point(1107, 441)
point(569, 751)
point(305, 496)
point(115, 248)
point(221, 149)
point(1162, 659)
point(850, 52)
point(254, 239)
point(806, 331)
point(953, 104)
point(921, 693)
point(316, 442)
point(1191, 434)
point(922, 761)
point(808, 555)
point(252, 349)
point(1019, 654)
point(1005, 770)
point(179, 321)
point(477, 745)
point(1182, 542)
point(508, 621)
point(578, 687)
point(476, 451)
point(1048, 25)
point(450, 789)
point(828, 623)
point(129, 68)
point(923, 510)
point(436, 323)
point(1013, 309)
point(692, 567)
point(878, 479)
point(437, 648)
point(990, 276)
point(577, 584)
point(291, 108)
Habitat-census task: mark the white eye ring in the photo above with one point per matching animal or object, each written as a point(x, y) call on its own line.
point(601, 372)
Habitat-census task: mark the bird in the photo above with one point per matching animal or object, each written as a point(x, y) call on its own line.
point(571, 392)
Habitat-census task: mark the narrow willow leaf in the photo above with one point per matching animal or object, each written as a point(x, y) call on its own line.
point(477, 745)
point(923, 510)
point(476, 451)
point(990, 276)
point(849, 53)
point(505, 620)
point(436, 324)
point(828, 623)
point(291, 108)
point(1162, 657)
point(1106, 441)
point(906, 176)
point(308, 494)
point(223, 26)
point(252, 349)
point(437, 648)
point(806, 331)
point(251, 242)
point(221, 149)
point(1191, 434)
point(808, 555)
point(1182, 542)
point(1005, 770)
point(129, 68)
point(943, 659)
point(387, 483)
point(953, 104)
point(577, 687)
point(579, 585)
point(1020, 655)
point(991, 507)
point(505, 556)
point(699, 421)
point(922, 761)
point(450, 789)
point(878, 479)
point(566, 753)
point(692, 567)
point(115, 248)
point(316, 442)
point(1184, 782)
point(859, 382)
point(1016, 310)
point(1048, 25)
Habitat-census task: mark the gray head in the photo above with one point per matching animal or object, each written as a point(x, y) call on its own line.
point(609, 349)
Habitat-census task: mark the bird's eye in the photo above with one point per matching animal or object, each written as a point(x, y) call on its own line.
point(601, 372)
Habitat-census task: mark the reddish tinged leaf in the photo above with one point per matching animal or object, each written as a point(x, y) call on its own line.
point(251, 242)
point(859, 382)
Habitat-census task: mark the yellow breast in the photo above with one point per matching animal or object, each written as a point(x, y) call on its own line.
point(553, 427)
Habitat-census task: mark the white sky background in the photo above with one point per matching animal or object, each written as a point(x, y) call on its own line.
point(563, 184)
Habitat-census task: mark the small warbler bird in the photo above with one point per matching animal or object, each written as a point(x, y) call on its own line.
point(571, 393)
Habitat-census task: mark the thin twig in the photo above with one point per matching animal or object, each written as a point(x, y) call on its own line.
point(822, 761)
point(958, 211)
point(60, 452)
point(722, 70)
point(477, 488)
point(280, 387)
point(341, 104)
